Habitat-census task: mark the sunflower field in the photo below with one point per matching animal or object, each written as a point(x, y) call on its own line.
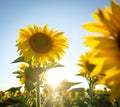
point(41, 49)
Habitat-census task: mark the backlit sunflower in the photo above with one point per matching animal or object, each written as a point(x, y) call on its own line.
point(107, 45)
point(87, 66)
point(40, 45)
point(28, 73)
point(22, 76)
point(84, 63)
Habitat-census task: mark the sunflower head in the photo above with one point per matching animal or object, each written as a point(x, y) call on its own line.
point(106, 45)
point(85, 64)
point(40, 45)
point(21, 73)
point(107, 23)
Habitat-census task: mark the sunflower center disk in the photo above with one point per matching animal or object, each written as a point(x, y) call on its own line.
point(41, 43)
point(118, 41)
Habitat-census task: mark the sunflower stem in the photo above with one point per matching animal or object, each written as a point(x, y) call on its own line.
point(38, 96)
point(90, 91)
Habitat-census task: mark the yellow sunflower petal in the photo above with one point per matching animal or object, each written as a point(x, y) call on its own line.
point(30, 29)
point(96, 27)
point(99, 62)
point(24, 34)
point(45, 29)
point(96, 16)
point(112, 80)
point(90, 41)
point(36, 28)
point(105, 18)
point(108, 9)
point(115, 9)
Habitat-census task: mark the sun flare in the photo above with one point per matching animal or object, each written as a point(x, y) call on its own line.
point(55, 76)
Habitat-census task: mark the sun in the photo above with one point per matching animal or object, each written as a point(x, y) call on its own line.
point(55, 76)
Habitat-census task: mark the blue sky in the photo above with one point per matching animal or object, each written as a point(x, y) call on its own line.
point(63, 15)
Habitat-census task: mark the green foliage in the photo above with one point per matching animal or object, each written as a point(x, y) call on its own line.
point(11, 102)
point(77, 90)
point(63, 95)
point(19, 59)
point(29, 86)
point(13, 89)
point(50, 65)
point(65, 85)
point(33, 73)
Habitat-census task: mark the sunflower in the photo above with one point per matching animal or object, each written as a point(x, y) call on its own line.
point(107, 44)
point(22, 76)
point(27, 73)
point(85, 65)
point(40, 45)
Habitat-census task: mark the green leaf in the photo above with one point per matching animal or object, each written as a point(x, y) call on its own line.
point(11, 102)
point(77, 90)
point(13, 89)
point(19, 59)
point(66, 85)
point(17, 72)
point(80, 74)
point(53, 65)
point(18, 76)
point(82, 104)
point(33, 73)
point(29, 85)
